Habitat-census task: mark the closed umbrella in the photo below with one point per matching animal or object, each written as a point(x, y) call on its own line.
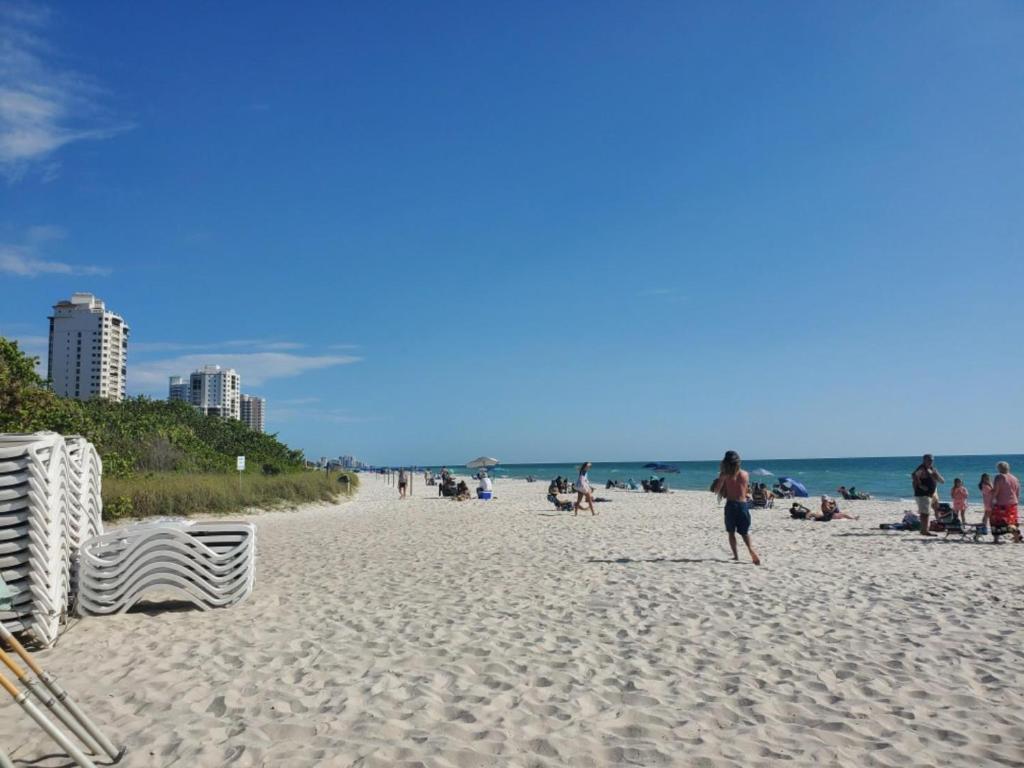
point(482, 461)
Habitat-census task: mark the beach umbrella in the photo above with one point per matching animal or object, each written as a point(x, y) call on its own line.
point(798, 488)
point(481, 462)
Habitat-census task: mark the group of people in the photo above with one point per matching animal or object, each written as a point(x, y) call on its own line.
point(1000, 496)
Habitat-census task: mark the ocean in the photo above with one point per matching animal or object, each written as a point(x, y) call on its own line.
point(885, 477)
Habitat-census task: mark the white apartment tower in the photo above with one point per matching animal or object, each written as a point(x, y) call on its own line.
point(88, 355)
point(179, 389)
point(216, 391)
point(254, 412)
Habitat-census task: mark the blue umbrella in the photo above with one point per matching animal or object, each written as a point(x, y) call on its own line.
point(798, 488)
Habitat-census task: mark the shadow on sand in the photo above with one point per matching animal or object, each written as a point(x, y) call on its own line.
point(628, 560)
point(157, 607)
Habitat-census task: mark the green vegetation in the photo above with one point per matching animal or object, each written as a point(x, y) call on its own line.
point(162, 458)
point(172, 494)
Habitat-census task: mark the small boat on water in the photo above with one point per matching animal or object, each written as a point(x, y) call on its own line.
point(662, 468)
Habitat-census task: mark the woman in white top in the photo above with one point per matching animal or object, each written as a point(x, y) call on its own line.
point(583, 491)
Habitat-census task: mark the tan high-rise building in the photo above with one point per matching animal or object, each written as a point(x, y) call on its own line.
point(254, 412)
point(88, 355)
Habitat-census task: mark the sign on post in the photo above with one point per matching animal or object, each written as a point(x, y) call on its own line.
point(240, 464)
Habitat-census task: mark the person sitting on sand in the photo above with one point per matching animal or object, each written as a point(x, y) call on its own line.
point(732, 484)
point(462, 491)
point(830, 511)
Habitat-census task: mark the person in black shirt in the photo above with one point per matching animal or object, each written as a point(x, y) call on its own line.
point(925, 479)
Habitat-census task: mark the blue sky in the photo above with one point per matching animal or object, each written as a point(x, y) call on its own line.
point(426, 231)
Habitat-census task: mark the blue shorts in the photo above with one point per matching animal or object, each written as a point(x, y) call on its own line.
point(737, 517)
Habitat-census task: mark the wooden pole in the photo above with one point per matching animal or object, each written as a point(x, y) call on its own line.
point(48, 701)
point(115, 753)
point(51, 730)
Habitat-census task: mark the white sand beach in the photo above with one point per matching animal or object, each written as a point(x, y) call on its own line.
point(429, 632)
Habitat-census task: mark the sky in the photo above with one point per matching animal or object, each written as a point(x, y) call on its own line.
point(538, 231)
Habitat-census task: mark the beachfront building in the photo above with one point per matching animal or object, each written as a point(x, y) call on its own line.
point(88, 352)
point(179, 390)
point(216, 391)
point(253, 411)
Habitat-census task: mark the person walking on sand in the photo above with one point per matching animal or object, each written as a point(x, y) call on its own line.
point(403, 483)
point(731, 484)
point(925, 479)
point(583, 491)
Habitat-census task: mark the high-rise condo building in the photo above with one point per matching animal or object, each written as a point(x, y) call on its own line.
point(254, 411)
point(179, 389)
point(215, 391)
point(88, 355)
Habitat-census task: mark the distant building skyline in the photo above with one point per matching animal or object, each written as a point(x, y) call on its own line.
point(253, 411)
point(179, 390)
point(87, 352)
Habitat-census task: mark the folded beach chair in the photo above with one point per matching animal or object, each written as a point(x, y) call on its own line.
point(49, 494)
point(211, 565)
point(948, 521)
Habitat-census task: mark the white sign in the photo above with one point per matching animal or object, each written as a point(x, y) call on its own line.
point(241, 463)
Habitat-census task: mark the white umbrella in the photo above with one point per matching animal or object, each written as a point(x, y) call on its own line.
point(482, 461)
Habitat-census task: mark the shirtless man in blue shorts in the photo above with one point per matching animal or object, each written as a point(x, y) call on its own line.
point(731, 484)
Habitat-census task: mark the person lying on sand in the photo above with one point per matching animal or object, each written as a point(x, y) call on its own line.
point(798, 511)
point(830, 511)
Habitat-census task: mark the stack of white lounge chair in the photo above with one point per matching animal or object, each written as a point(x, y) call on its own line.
point(49, 500)
point(210, 564)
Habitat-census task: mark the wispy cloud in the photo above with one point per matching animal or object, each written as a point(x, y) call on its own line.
point(43, 106)
point(269, 345)
point(300, 401)
point(255, 368)
point(24, 260)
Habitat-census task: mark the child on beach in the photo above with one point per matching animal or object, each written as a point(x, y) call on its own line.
point(732, 484)
point(959, 495)
point(985, 486)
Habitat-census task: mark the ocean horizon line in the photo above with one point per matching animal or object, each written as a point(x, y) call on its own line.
point(746, 461)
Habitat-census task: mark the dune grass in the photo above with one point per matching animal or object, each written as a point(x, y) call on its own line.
point(183, 495)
